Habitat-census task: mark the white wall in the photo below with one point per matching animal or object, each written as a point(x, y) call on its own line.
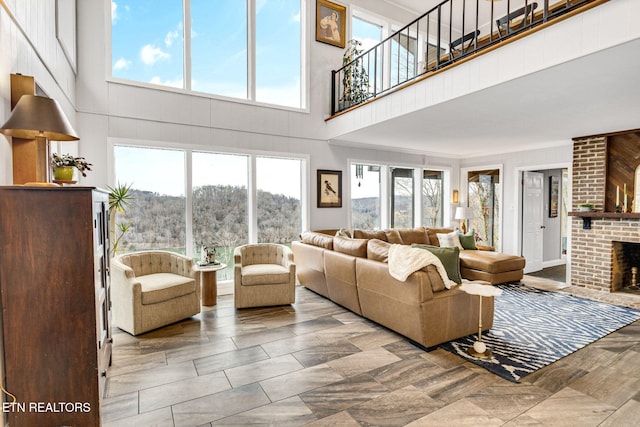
point(29, 46)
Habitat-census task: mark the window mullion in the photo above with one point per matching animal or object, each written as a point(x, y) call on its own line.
point(187, 44)
point(251, 49)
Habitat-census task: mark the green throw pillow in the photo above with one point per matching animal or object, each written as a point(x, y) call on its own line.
point(468, 241)
point(450, 258)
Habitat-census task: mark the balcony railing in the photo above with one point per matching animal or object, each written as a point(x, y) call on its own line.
point(451, 31)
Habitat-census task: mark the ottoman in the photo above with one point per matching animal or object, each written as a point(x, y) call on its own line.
point(492, 267)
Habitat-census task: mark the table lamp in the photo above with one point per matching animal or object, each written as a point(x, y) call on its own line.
point(463, 214)
point(39, 117)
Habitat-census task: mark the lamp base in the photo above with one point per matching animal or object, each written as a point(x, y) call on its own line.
point(463, 227)
point(484, 355)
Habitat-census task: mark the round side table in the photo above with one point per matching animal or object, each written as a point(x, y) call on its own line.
point(209, 282)
point(482, 289)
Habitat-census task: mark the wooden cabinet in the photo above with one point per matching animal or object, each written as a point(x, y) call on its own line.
point(54, 281)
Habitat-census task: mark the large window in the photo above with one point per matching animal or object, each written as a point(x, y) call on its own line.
point(248, 49)
point(220, 214)
point(402, 200)
point(432, 202)
point(157, 216)
point(218, 199)
point(484, 199)
point(279, 199)
point(365, 196)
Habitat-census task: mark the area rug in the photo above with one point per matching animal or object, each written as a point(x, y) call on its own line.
point(533, 328)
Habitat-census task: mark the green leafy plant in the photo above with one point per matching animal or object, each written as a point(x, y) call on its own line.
point(120, 198)
point(61, 160)
point(355, 79)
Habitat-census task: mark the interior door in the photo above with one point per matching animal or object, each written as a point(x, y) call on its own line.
point(532, 220)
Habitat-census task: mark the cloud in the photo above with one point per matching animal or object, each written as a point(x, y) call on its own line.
point(150, 54)
point(296, 17)
point(114, 12)
point(170, 37)
point(121, 64)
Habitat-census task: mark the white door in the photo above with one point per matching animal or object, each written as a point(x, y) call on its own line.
point(532, 220)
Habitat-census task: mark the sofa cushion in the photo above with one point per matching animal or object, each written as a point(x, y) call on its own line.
point(369, 234)
point(159, 287)
point(432, 234)
point(450, 258)
point(449, 240)
point(264, 274)
point(393, 236)
point(468, 241)
point(353, 247)
point(317, 239)
point(414, 235)
point(491, 262)
point(378, 250)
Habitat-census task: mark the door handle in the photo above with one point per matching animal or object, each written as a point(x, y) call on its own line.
point(543, 226)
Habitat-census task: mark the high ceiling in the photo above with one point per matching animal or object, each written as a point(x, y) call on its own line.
point(595, 94)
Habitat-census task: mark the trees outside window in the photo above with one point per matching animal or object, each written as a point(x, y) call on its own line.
point(365, 196)
point(484, 192)
point(402, 199)
point(217, 199)
point(432, 191)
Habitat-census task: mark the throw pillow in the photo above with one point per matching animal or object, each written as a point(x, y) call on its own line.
point(343, 233)
point(468, 241)
point(450, 258)
point(449, 240)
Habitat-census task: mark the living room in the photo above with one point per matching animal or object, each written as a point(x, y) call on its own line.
point(506, 110)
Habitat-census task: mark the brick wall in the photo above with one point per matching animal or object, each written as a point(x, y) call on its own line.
point(591, 250)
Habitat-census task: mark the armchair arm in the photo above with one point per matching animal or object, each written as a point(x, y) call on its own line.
point(485, 248)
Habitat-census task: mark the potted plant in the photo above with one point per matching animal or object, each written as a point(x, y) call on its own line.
point(64, 166)
point(120, 199)
point(585, 207)
point(355, 79)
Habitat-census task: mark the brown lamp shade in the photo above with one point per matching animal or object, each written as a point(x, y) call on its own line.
point(39, 116)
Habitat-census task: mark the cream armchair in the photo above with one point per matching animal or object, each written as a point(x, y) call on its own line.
point(265, 275)
point(150, 289)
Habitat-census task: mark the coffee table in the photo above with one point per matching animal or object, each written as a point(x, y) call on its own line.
point(209, 282)
point(482, 289)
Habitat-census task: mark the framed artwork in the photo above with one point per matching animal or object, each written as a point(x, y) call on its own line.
point(553, 196)
point(331, 23)
point(329, 189)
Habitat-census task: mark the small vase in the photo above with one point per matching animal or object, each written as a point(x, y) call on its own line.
point(64, 173)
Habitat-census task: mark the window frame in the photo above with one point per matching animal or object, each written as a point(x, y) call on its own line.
point(305, 72)
point(386, 193)
point(305, 213)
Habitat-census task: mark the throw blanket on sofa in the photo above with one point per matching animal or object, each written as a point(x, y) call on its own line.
point(404, 260)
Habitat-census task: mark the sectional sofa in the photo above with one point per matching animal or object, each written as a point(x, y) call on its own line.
point(354, 272)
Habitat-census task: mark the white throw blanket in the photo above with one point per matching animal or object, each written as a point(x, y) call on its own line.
point(404, 260)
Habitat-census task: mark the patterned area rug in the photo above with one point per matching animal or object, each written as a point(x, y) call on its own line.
point(533, 328)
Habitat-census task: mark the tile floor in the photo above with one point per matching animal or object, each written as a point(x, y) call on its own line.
point(314, 363)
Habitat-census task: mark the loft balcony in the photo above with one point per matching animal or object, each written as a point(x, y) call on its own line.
point(573, 75)
point(450, 33)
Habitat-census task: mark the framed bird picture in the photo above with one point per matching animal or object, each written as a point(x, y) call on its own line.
point(329, 189)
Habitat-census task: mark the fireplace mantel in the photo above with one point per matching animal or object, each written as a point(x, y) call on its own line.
point(588, 216)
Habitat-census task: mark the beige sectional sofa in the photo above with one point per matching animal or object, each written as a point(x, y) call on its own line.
point(354, 273)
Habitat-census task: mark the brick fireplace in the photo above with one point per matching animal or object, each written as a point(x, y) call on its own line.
point(601, 257)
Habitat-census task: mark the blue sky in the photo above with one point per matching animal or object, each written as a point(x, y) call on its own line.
point(147, 46)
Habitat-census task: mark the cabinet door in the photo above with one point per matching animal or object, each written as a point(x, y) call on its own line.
point(102, 288)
